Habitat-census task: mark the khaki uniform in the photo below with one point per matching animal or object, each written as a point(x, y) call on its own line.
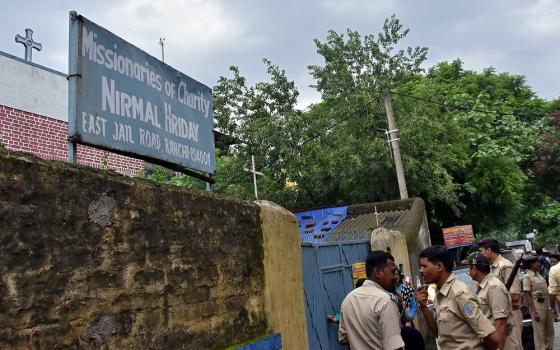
point(370, 319)
point(543, 331)
point(501, 268)
point(554, 281)
point(460, 322)
point(495, 303)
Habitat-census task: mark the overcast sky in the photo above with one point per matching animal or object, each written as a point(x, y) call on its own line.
point(205, 37)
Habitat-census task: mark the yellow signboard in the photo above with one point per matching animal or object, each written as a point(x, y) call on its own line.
point(358, 271)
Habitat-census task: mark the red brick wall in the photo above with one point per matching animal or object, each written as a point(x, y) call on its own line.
point(46, 137)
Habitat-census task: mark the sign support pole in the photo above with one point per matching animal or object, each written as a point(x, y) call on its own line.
point(209, 184)
point(73, 84)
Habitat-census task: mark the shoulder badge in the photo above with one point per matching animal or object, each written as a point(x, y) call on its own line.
point(468, 308)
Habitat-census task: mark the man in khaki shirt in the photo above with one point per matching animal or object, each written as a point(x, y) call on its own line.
point(554, 286)
point(501, 268)
point(370, 316)
point(495, 301)
point(459, 323)
point(535, 288)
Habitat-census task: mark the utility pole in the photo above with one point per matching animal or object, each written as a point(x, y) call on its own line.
point(161, 43)
point(394, 142)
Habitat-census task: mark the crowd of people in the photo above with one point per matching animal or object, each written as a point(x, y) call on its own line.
point(379, 314)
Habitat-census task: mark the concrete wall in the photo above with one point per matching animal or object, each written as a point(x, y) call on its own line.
point(92, 259)
point(395, 242)
point(284, 297)
point(33, 88)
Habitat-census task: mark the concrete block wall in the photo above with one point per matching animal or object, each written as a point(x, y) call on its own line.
point(92, 259)
point(284, 294)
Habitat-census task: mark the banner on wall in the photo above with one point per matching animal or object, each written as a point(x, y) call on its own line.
point(316, 225)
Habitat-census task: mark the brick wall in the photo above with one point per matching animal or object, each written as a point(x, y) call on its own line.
point(46, 137)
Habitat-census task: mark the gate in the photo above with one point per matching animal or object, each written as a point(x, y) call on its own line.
point(327, 279)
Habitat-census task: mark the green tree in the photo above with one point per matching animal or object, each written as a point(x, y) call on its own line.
point(478, 147)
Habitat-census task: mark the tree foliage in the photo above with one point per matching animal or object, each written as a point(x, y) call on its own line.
point(479, 147)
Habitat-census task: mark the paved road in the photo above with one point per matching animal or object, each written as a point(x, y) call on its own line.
point(556, 335)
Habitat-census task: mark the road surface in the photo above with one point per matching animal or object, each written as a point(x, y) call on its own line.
point(556, 335)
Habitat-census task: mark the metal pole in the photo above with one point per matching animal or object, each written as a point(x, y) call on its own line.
point(74, 41)
point(395, 145)
point(255, 177)
point(208, 184)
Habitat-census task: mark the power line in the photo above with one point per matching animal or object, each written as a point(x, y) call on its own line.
point(468, 109)
point(312, 138)
point(315, 137)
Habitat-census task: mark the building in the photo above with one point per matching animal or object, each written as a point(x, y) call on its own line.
point(34, 116)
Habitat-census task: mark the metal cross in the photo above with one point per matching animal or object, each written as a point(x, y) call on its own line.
point(161, 43)
point(255, 173)
point(29, 43)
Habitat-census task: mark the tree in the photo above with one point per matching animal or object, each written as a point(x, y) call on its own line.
point(478, 147)
point(367, 67)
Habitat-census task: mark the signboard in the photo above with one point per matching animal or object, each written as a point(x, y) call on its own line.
point(520, 244)
point(458, 236)
point(124, 100)
point(358, 271)
point(316, 225)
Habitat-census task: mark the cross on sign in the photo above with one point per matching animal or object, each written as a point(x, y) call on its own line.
point(29, 43)
point(255, 173)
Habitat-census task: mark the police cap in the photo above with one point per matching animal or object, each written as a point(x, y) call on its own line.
point(485, 242)
point(530, 258)
point(478, 259)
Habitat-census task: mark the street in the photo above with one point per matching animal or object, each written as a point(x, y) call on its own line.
point(556, 335)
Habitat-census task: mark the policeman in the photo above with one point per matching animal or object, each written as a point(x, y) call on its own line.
point(545, 263)
point(535, 288)
point(495, 301)
point(370, 317)
point(554, 284)
point(554, 258)
point(501, 268)
point(459, 323)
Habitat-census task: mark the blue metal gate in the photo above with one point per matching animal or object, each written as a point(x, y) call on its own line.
point(327, 279)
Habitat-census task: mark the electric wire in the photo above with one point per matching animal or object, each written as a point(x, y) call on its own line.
point(469, 109)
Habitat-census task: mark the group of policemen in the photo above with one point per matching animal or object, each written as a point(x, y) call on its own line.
point(458, 317)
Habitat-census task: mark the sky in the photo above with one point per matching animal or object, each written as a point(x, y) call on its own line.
point(203, 38)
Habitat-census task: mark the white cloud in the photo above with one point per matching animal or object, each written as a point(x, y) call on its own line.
point(539, 17)
point(205, 37)
point(358, 8)
point(193, 27)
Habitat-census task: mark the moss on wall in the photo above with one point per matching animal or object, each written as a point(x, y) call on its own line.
point(92, 259)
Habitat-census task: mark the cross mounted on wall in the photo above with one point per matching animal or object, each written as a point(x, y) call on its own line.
point(29, 43)
point(255, 173)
